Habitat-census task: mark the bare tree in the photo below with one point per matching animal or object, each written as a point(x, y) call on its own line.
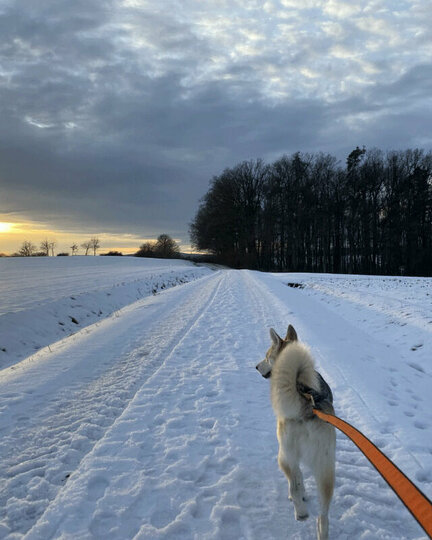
point(27, 249)
point(87, 246)
point(74, 248)
point(94, 244)
point(45, 247)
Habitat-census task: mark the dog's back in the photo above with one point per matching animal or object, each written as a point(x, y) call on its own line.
point(293, 369)
point(299, 431)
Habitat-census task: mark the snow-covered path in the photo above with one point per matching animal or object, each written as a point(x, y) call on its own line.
point(155, 424)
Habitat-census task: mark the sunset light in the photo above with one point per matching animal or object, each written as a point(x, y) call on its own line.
point(12, 235)
point(5, 227)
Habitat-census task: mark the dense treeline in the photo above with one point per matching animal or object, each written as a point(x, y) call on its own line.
point(306, 212)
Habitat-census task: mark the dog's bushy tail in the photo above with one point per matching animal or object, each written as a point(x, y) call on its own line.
point(293, 367)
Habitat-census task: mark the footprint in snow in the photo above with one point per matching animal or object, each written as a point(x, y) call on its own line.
point(189, 475)
point(230, 523)
point(96, 488)
point(102, 524)
point(161, 518)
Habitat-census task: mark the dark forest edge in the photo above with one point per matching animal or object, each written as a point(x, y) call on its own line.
point(307, 213)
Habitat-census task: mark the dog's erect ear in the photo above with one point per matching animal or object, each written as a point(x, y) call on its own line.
point(275, 338)
point(291, 334)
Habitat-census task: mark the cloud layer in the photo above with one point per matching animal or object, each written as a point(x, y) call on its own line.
point(115, 114)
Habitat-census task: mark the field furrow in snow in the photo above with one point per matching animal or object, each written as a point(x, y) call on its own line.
point(189, 451)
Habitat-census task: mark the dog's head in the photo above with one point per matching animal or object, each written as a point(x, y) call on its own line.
point(277, 345)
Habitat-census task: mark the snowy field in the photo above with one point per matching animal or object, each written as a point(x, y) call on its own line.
point(154, 423)
point(44, 299)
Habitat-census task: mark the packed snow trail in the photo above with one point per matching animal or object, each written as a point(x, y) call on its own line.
point(156, 425)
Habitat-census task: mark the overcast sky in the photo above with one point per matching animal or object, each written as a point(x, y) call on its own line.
point(115, 114)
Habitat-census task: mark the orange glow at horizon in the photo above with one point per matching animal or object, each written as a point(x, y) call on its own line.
point(12, 235)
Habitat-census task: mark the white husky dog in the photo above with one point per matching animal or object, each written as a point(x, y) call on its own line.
point(302, 436)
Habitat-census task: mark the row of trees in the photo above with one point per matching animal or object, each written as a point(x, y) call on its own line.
point(46, 248)
point(305, 212)
point(164, 247)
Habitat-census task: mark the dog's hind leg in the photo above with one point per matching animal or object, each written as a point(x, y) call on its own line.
point(296, 488)
point(325, 484)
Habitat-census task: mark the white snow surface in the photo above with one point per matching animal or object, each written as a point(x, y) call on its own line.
point(154, 423)
point(44, 299)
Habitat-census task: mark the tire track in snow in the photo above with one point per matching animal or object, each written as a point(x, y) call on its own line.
point(45, 444)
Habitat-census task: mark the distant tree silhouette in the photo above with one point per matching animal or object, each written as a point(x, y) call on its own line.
point(94, 244)
point(74, 249)
point(165, 247)
point(28, 249)
point(45, 247)
point(86, 246)
point(146, 250)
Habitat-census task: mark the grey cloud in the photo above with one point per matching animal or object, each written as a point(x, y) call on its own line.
point(415, 84)
point(135, 117)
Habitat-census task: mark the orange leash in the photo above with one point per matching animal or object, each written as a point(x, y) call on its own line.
point(416, 502)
